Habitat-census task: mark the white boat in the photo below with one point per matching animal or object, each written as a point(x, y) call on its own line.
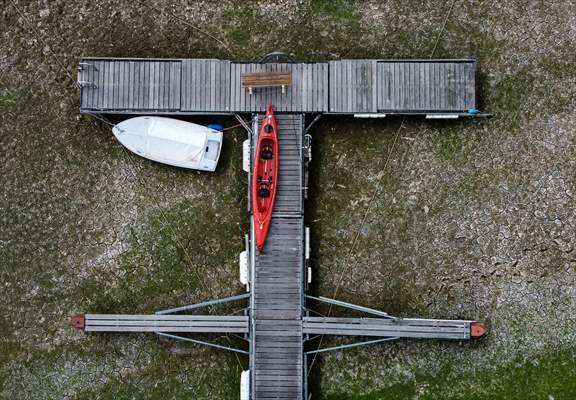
point(171, 141)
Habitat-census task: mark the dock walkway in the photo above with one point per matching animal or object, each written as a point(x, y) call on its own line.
point(211, 86)
point(277, 277)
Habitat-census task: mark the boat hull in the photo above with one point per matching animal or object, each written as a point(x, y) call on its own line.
point(171, 141)
point(265, 178)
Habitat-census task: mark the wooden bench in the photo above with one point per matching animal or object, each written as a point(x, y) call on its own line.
point(266, 79)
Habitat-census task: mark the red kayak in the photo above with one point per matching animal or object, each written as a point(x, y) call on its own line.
point(265, 177)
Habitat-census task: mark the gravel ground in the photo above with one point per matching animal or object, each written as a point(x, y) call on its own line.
point(470, 220)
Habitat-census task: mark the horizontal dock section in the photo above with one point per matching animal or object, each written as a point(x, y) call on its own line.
point(381, 327)
point(165, 323)
point(204, 86)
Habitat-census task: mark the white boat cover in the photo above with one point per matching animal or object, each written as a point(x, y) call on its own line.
point(171, 141)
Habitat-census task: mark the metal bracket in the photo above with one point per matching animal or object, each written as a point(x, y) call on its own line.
point(85, 65)
point(244, 124)
point(84, 84)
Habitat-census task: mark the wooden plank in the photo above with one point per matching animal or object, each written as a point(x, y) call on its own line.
point(233, 87)
point(330, 88)
point(243, 106)
point(103, 85)
point(266, 79)
point(134, 73)
point(470, 85)
point(177, 86)
point(109, 95)
point(200, 94)
point(336, 76)
point(308, 104)
point(227, 88)
point(84, 75)
point(135, 82)
point(341, 86)
point(356, 85)
point(185, 85)
point(160, 85)
point(131, 86)
point(157, 85)
point(125, 84)
point(146, 87)
point(212, 84)
point(348, 99)
point(140, 86)
point(205, 89)
point(462, 75)
point(242, 98)
point(94, 94)
point(318, 83)
point(145, 76)
point(154, 84)
point(425, 82)
point(169, 89)
point(86, 92)
point(373, 104)
point(433, 100)
point(114, 85)
point(196, 81)
point(170, 85)
point(444, 86)
point(305, 98)
point(397, 89)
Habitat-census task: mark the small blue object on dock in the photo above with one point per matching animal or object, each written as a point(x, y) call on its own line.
point(216, 127)
point(473, 111)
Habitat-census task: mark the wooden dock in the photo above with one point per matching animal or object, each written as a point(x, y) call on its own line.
point(210, 86)
point(277, 321)
point(277, 276)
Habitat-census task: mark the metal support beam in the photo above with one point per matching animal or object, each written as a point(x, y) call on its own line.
point(244, 124)
point(350, 306)
point(348, 346)
point(203, 304)
point(311, 124)
point(202, 342)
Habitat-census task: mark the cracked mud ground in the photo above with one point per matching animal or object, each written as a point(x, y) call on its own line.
point(470, 220)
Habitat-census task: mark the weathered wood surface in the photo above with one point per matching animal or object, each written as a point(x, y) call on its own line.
point(425, 86)
point(205, 85)
point(265, 79)
point(166, 323)
point(381, 327)
point(201, 86)
point(277, 286)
